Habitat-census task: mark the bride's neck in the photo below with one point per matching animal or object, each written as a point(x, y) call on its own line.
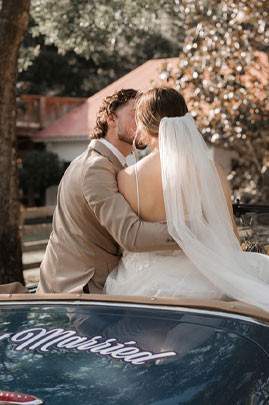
point(155, 150)
point(153, 144)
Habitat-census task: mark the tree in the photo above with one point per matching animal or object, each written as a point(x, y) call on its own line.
point(97, 41)
point(14, 15)
point(223, 72)
point(40, 170)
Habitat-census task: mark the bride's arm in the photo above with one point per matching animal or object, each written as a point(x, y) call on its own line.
point(127, 186)
point(227, 193)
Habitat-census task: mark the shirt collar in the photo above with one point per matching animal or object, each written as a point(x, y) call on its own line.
point(115, 151)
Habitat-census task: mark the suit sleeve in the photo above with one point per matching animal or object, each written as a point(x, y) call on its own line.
point(100, 190)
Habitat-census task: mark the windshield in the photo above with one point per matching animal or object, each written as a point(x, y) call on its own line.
point(93, 354)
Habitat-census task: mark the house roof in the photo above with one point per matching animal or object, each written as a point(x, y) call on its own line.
point(78, 123)
point(35, 112)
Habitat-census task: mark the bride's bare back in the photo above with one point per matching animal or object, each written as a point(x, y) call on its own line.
point(146, 197)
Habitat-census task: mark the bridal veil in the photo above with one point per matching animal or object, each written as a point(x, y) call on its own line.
point(198, 217)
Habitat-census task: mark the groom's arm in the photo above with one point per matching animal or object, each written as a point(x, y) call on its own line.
point(100, 189)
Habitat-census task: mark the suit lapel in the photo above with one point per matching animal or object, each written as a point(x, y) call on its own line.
point(99, 147)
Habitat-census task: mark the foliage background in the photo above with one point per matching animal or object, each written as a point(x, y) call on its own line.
point(224, 74)
point(75, 48)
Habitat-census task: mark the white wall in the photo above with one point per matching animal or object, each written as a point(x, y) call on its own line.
point(68, 150)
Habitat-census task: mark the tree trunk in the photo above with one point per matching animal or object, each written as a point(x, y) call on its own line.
point(14, 16)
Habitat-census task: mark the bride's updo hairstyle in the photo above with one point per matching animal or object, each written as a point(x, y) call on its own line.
point(155, 104)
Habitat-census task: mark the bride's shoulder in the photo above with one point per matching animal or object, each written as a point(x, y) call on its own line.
point(146, 167)
point(145, 163)
point(149, 163)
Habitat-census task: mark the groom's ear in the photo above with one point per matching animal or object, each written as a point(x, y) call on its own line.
point(111, 120)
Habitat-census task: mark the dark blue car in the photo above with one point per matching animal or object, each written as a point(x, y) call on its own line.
point(89, 350)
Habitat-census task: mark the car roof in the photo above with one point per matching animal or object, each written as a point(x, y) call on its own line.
point(231, 307)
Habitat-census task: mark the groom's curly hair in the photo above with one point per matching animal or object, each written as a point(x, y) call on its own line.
point(109, 105)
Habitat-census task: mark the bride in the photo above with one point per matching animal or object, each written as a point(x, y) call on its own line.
point(178, 182)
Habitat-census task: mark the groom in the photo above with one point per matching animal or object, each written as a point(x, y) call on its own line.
point(92, 221)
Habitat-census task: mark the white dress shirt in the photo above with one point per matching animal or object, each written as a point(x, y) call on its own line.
point(115, 151)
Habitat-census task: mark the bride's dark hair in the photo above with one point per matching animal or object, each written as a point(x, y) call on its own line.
point(157, 103)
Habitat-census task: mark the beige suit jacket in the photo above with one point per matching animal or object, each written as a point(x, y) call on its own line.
point(92, 223)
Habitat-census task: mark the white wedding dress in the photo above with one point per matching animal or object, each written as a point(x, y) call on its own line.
point(210, 264)
point(159, 274)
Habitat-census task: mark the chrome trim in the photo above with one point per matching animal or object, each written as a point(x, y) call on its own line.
point(145, 306)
